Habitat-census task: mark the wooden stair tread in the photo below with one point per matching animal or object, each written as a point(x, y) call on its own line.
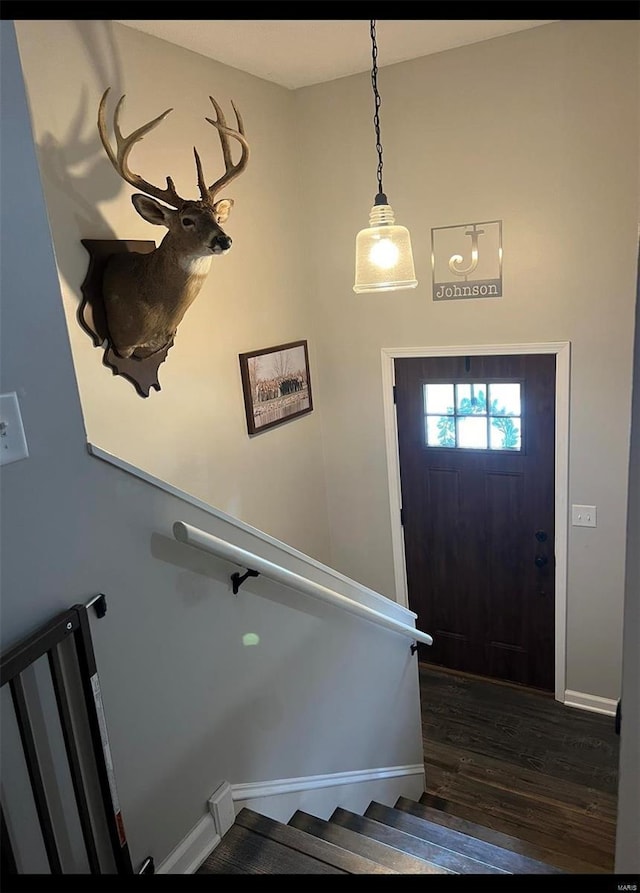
point(475, 823)
point(528, 814)
point(451, 859)
point(324, 850)
point(365, 846)
point(245, 852)
point(453, 839)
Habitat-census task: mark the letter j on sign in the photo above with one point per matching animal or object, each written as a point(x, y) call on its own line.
point(466, 261)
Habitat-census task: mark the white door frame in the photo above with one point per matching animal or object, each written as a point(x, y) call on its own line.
point(562, 350)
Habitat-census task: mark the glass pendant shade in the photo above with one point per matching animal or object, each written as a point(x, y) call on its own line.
point(384, 260)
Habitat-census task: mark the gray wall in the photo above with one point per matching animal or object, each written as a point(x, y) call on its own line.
point(187, 704)
point(628, 831)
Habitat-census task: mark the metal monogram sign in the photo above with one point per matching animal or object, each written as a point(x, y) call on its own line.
point(466, 261)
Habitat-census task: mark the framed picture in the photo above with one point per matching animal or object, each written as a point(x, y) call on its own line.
point(276, 385)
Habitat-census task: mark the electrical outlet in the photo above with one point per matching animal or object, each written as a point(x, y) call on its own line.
point(583, 515)
point(13, 443)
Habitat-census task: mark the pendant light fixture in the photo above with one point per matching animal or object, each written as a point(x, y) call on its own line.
point(384, 260)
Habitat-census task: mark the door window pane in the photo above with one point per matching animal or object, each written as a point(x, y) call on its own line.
point(441, 431)
point(472, 433)
point(505, 434)
point(504, 398)
point(457, 415)
point(438, 399)
point(471, 399)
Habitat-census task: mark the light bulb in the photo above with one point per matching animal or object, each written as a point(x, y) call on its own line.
point(384, 254)
point(384, 260)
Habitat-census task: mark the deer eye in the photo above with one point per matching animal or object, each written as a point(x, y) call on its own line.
point(187, 221)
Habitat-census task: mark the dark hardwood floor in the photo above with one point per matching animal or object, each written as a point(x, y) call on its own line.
point(515, 783)
point(521, 763)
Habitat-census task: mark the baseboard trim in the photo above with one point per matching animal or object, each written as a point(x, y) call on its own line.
point(321, 794)
point(191, 852)
point(313, 782)
point(594, 703)
point(279, 799)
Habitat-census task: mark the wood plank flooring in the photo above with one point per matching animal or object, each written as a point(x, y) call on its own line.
point(521, 763)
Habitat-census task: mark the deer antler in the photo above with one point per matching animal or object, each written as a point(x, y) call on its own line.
point(232, 170)
point(124, 146)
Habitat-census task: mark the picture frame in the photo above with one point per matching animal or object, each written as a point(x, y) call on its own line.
point(276, 384)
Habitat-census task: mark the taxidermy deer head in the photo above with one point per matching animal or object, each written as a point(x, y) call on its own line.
point(146, 295)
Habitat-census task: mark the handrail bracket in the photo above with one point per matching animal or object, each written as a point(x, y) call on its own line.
point(238, 580)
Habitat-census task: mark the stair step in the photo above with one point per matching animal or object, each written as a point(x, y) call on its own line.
point(309, 844)
point(470, 846)
point(438, 854)
point(245, 852)
point(474, 822)
point(435, 835)
point(364, 846)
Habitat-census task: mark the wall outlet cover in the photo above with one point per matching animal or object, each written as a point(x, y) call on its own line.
point(583, 515)
point(13, 443)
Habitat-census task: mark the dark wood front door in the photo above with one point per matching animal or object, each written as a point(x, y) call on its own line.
point(476, 446)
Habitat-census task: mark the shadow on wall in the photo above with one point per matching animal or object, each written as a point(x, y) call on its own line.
point(200, 568)
point(77, 169)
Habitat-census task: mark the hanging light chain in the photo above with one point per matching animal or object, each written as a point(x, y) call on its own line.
point(376, 95)
point(384, 261)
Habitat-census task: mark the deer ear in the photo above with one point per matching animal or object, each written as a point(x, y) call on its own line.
point(152, 211)
point(222, 209)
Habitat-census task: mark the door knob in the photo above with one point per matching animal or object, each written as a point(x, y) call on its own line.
point(541, 560)
point(541, 536)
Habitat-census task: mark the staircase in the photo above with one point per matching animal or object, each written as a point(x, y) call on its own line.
point(429, 836)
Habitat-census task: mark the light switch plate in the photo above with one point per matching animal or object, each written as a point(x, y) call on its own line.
point(13, 443)
point(583, 515)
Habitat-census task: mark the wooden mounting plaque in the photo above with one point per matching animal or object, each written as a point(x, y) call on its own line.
point(142, 373)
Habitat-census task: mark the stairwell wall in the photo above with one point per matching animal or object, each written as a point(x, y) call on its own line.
point(193, 432)
point(190, 702)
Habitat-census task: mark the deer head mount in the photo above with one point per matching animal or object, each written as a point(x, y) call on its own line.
point(146, 293)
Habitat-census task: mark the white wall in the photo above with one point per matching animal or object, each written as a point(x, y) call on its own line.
point(187, 704)
point(538, 129)
point(193, 431)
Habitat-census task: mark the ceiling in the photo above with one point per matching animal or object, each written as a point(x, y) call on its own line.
point(299, 53)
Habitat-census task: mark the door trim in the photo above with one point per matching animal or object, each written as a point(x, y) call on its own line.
point(562, 350)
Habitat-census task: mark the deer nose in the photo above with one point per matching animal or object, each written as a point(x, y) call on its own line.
point(223, 242)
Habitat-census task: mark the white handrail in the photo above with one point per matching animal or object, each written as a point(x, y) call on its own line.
point(207, 542)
